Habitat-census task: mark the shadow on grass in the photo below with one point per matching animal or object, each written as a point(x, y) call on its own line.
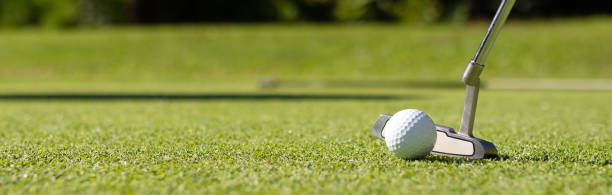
point(272, 83)
point(456, 160)
point(452, 160)
point(199, 96)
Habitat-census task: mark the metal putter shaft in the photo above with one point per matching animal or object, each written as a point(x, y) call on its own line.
point(464, 144)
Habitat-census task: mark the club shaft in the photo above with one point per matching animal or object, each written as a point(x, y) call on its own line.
point(471, 76)
point(498, 21)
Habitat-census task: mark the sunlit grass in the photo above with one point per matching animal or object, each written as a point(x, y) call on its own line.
point(561, 48)
point(550, 142)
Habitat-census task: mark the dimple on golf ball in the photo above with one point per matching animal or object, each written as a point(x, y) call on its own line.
point(410, 134)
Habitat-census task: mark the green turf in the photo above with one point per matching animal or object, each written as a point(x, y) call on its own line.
point(566, 48)
point(551, 142)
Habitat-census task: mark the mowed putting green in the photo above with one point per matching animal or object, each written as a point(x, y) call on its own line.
point(549, 142)
point(197, 123)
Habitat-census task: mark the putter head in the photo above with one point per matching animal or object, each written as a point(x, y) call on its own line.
point(448, 142)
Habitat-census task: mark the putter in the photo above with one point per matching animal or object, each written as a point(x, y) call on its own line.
point(463, 143)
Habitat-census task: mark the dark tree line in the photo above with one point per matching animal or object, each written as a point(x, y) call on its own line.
point(96, 12)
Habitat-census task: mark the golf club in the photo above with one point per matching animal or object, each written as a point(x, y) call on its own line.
point(463, 143)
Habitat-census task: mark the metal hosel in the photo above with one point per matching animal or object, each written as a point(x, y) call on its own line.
point(469, 109)
point(471, 76)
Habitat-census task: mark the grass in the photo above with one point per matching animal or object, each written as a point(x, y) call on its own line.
point(551, 142)
point(196, 54)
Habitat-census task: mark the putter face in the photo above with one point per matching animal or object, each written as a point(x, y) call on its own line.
point(448, 142)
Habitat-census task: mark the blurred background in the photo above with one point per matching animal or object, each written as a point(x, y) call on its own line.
point(70, 13)
point(162, 44)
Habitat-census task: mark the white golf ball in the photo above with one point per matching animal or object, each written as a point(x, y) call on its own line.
point(410, 134)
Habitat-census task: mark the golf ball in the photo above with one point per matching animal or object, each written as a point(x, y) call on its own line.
point(410, 134)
